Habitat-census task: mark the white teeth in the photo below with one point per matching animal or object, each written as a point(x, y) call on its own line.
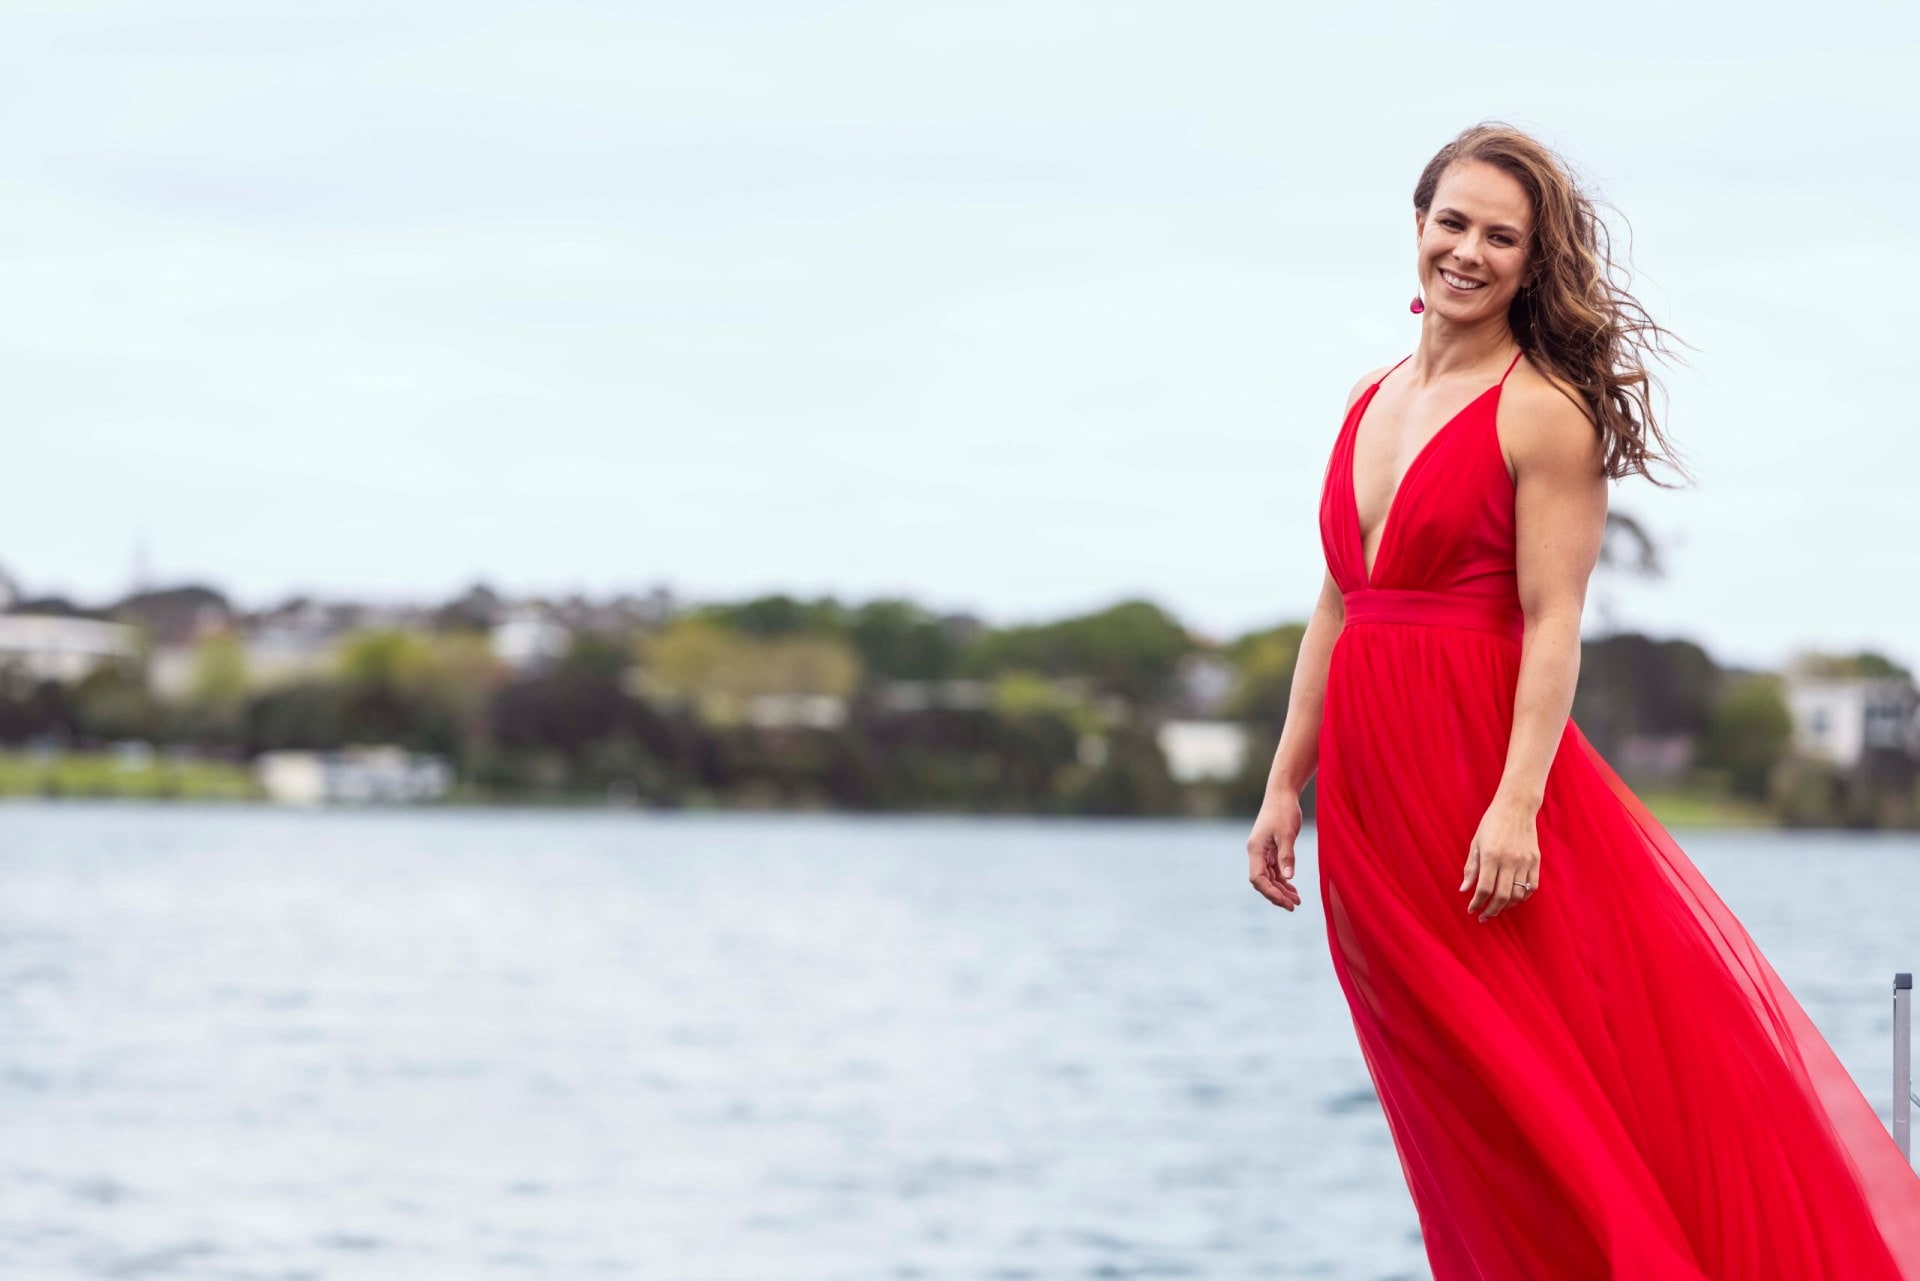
point(1459, 282)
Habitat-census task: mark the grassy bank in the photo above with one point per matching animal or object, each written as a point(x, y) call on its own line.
point(109, 774)
point(1683, 808)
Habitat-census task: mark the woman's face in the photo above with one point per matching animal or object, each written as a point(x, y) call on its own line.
point(1473, 242)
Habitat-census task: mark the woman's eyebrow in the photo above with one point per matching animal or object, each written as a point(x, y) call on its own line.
point(1498, 226)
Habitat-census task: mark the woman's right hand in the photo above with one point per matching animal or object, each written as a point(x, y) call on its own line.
point(1270, 849)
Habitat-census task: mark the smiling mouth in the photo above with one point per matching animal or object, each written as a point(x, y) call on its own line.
point(1462, 283)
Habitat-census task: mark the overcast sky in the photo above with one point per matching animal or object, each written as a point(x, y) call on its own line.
point(1016, 308)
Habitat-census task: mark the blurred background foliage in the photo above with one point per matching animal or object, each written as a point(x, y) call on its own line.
point(779, 701)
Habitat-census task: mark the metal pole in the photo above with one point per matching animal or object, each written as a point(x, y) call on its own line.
point(1903, 1063)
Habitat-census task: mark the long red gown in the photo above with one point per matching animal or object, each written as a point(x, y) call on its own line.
point(1607, 1079)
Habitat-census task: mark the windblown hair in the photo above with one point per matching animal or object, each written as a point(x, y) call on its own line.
point(1574, 317)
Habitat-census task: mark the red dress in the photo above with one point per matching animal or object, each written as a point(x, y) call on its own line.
point(1607, 1079)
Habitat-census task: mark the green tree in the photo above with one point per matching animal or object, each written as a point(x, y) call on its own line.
point(1748, 735)
point(779, 615)
point(1264, 662)
point(414, 690)
point(1862, 664)
point(304, 714)
point(900, 639)
point(113, 703)
point(216, 696)
point(1132, 781)
point(1633, 684)
point(1131, 650)
point(703, 665)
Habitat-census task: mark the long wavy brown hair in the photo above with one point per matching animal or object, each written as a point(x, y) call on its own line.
point(1575, 316)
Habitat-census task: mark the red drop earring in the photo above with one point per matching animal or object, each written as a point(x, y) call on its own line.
point(1416, 306)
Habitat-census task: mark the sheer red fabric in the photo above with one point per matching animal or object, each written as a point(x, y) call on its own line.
point(1607, 1080)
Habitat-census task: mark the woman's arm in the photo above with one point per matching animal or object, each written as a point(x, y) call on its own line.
point(1560, 515)
point(1299, 751)
point(1270, 845)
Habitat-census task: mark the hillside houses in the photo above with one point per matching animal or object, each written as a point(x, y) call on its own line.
point(1841, 720)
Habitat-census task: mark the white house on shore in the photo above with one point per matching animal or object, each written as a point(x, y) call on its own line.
point(1203, 751)
point(530, 637)
point(1838, 719)
point(796, 711)
point(58, 647)
point(356, 775)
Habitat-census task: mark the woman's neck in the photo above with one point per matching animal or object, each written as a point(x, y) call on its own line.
point(1447, 350)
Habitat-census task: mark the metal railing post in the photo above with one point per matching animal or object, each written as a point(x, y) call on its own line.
point(1903, 1062)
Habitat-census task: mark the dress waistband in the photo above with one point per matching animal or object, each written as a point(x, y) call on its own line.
point(1435, 609)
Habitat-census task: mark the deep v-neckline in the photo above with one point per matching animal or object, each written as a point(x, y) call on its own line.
point(1420, 456)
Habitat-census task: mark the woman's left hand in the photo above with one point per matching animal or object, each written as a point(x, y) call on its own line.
point(1505, 851)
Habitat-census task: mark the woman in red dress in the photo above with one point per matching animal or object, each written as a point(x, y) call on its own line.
point(1587, 1067)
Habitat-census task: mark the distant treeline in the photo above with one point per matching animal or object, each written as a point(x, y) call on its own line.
point(782, 702)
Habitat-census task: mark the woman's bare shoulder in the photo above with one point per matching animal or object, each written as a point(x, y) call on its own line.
point(1544, 417)
point(1366, 380)
point(1543, 391)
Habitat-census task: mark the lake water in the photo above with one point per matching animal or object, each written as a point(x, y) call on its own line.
point(244, 1043)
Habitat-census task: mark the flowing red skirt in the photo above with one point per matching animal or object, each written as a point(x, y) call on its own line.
point(1606, 1080)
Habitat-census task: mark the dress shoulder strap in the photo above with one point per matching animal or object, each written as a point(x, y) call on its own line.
point(1409, 356)
point(1515, 361)
point(1390, 368)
